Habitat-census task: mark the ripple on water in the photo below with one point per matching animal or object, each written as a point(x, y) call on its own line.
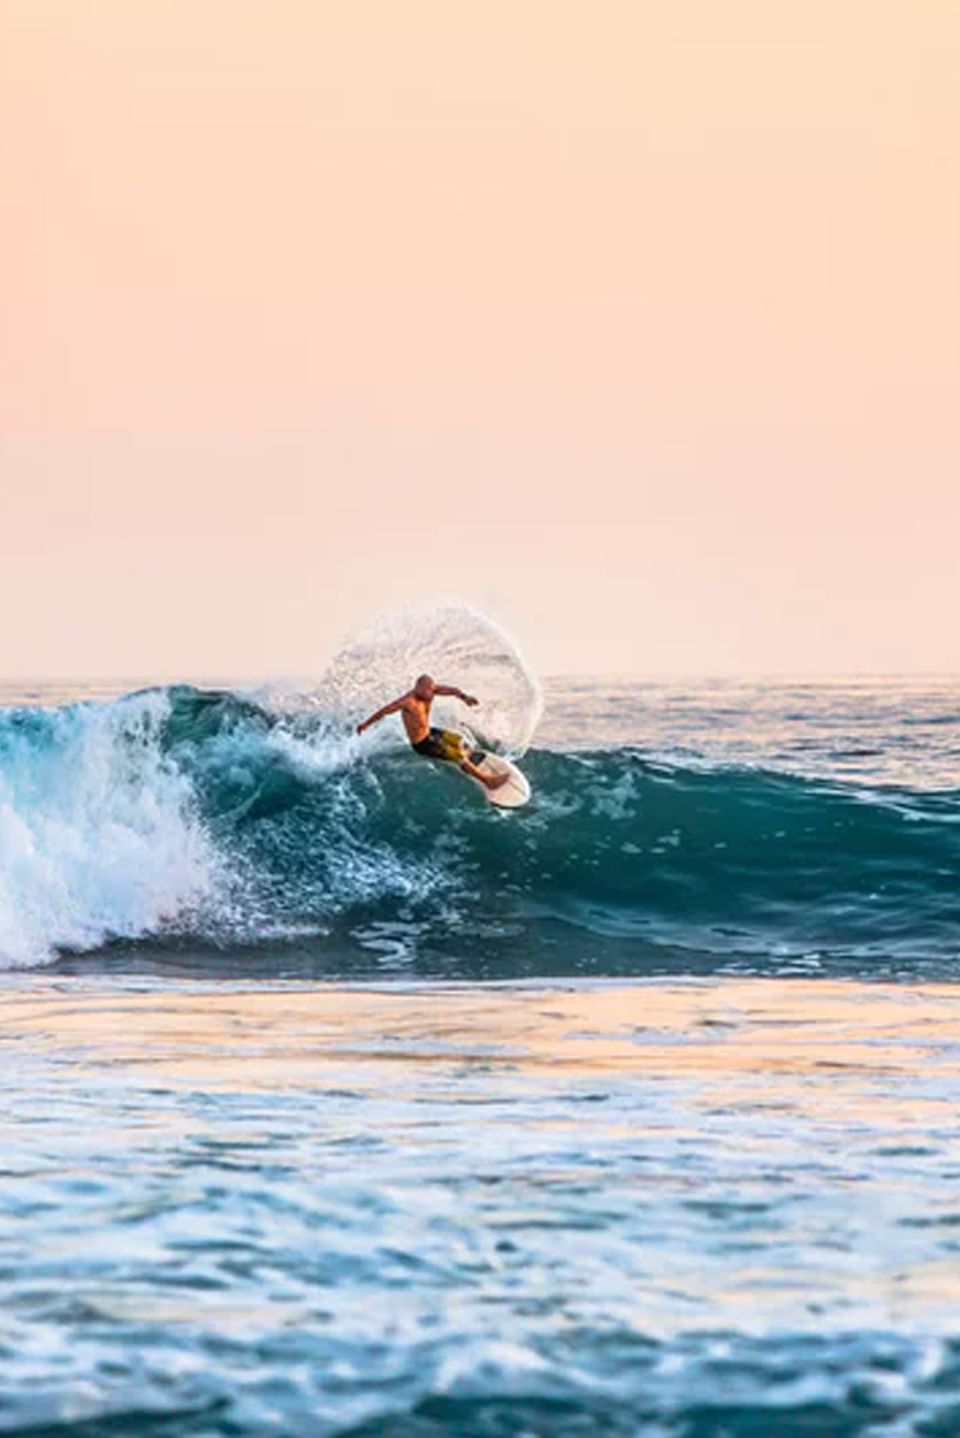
point(684, 1237)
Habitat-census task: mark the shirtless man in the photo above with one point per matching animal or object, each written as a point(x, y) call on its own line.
point(433, 743)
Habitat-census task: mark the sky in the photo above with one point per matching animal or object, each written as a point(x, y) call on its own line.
point(635, 324)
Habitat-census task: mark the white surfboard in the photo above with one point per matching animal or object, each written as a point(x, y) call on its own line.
point(513, 793)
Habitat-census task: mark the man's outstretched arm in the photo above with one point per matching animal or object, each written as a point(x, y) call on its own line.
point(453, 692)
point(391, 708)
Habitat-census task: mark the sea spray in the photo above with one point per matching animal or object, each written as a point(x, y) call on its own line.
point(457, 645)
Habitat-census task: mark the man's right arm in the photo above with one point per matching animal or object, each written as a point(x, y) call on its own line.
point(391, 708)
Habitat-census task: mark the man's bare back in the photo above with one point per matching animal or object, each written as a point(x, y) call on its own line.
point(414, 708)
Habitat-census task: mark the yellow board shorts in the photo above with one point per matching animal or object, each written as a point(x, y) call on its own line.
point(442, 744)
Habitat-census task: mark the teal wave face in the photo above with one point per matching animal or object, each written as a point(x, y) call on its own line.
point(196, 816)
point(719, 861)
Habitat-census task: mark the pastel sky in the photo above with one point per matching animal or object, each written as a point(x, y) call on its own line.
point(636, 324)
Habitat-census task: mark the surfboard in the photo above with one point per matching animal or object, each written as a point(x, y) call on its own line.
point(512, 794)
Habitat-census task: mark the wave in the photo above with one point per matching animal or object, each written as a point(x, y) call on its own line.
point(194, 817)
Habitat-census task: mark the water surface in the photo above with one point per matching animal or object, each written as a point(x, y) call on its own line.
point(336, 1103)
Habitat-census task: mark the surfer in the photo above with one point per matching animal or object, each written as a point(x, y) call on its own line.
point(433, 743)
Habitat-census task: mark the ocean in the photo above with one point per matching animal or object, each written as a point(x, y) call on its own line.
point(337, 1102)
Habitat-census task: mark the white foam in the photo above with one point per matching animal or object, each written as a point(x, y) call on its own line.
point(97, 833)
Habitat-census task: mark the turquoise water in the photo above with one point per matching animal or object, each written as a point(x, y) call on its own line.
point(710, 827)
point(335, 1102)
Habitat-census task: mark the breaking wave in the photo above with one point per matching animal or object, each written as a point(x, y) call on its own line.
point(186, 815)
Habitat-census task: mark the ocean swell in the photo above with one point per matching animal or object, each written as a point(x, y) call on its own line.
point(204, 816)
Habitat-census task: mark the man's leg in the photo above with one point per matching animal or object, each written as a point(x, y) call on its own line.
point(489, 781)
point(454, 750)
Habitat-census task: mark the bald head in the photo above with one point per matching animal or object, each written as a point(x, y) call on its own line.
point(424, 687)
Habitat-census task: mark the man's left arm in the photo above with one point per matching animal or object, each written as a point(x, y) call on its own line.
point(451, 691)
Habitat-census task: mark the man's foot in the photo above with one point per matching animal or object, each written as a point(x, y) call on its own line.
point(496, 781)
